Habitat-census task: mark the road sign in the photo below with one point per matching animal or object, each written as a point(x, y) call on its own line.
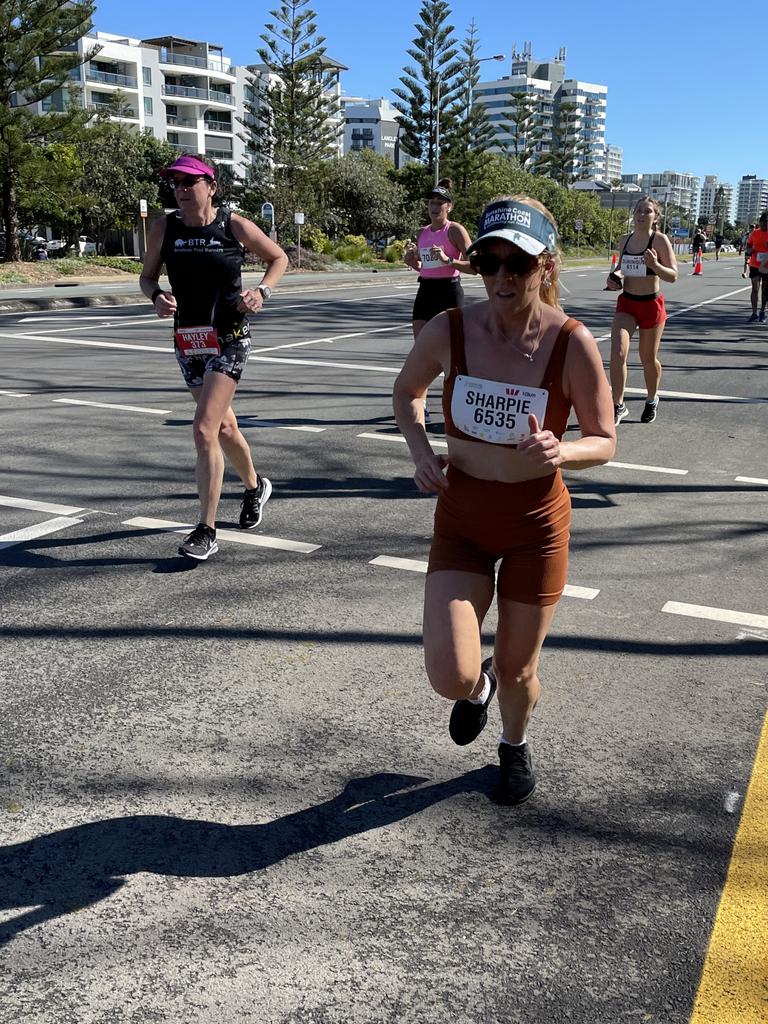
point(298, 218)
point(675, 222)
point(143, 207)
point(579, 224)
point(679, 232)
point(267, 211)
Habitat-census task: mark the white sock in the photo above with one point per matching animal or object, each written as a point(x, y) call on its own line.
point(509, 743)
point(483, 697)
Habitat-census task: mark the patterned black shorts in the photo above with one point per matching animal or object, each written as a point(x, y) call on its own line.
point(235, 348)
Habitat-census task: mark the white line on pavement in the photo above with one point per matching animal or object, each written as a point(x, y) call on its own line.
point(16, 394)
point(749, 634)
point(256, 540)
point(415, 565)
point(127, 321)
point(309, 363)
point(251, 421)
point(701, 611)
point(110, 405)
point(400, 438)
point(28, 533)
point(698, 397)
point(70, 319)
point(39, 506)
point(165, 349)
point(751, 480)
point(647, 469)
point(335, 337)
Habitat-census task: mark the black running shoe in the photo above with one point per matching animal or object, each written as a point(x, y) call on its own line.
point(619, 412)
point(516, 778)
point(648, 415)
point(468, 719)
point(252, 505)
point(200, 544)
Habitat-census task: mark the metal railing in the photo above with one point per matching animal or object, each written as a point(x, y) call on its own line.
point(105, 78)
point(125, 112)
point(199, 94)
point(218, 126)
point(181, 122)
point(185, 60)
point(219, 154)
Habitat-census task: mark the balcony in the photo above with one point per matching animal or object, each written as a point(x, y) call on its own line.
point(218, 126)
point(219, 154)
point(185, 92)
point(125, 114)
point(174, 121)
point(104, 78)
point(188, 61)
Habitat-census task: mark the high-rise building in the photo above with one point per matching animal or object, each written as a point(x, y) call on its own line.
point(668, 188)
point(581, 104)
point(752, 199)
point(614, 161)
point(716, 200)
point(373, 124)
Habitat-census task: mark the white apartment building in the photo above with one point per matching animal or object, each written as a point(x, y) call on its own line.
point(708, 199)
point(614, 162)
point(668, 187)
point(545, 82)
point(752, 199)
point(185, 91)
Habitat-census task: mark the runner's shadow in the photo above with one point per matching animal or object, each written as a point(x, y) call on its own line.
point(63, 871)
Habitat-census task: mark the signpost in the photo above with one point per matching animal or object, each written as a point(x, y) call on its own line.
point(579, 225)
point(268, 213)
point(298, 220)
point(143, 214)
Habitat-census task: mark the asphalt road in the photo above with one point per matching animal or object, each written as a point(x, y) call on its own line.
point(227, 791)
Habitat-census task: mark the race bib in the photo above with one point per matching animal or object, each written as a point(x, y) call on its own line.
point(761, 256)
point(493, 411)
point(633, 266)
point(197, 341)
point(429, 259)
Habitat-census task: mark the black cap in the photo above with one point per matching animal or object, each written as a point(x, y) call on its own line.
point(442, 193)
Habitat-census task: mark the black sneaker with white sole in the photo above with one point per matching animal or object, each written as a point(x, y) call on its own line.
point(619, 412)
point(467, 719)
point(200, 544)
point(648, 415)
point(252, 505)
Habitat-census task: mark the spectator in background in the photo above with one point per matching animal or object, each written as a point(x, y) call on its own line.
point(719, 239)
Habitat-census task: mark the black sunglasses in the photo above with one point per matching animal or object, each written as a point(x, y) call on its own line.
point(487, 265)
point(187, 182)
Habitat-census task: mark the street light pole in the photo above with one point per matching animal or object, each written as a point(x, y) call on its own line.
point(496, 56)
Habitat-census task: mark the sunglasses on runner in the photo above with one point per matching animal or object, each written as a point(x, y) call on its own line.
point(487, 265)
point(187, 182)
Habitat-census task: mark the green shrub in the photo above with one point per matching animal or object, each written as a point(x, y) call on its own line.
point(74, 267)
point(356, 240)
point(394, 253)
point(316, 240)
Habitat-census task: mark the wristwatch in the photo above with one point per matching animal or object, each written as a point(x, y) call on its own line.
point(265, 290)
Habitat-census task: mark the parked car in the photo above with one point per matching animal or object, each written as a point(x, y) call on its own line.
point(87, 245)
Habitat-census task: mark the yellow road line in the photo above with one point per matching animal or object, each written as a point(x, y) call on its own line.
point(734, 982)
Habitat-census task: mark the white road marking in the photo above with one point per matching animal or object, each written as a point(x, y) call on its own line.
point(751, 634)
point(400, 438)
point(111, 405)
point(165, 349)
point(28, 533)
point(335, 337)
point(699, 397)
point(415, 565)
point(126, 322)
point(69, 319)
point(751, 480)
point(16, 394)
point(252, 421)
point(647, 469)
point(701, 611)
point(708, 302)
point(319, 362)
point(236, 536)
point(39, 506)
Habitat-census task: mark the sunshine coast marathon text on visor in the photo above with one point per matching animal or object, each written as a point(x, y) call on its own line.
point(515, 216)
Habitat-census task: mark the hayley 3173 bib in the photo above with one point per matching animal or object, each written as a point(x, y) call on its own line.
point(494, 411)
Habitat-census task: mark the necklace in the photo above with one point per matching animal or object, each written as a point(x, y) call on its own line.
point(529, 356)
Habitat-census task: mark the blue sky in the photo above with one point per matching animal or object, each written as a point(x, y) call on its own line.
point(684, 93)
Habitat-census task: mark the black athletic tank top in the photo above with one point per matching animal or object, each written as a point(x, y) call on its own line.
point(648, 271)
point(203, 266)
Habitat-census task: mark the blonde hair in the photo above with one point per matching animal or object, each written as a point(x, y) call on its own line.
point(549, 292)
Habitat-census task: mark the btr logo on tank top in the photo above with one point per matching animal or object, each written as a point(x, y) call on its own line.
point(196, 243)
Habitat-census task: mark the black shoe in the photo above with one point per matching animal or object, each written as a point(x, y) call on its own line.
point(468, 719)
point(619, 412)
point(252, 505)
point(200, 544)
point(516, 778)
point(648, 415)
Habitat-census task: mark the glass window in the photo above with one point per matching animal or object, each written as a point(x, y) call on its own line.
point(146, 74)
point(147, 104)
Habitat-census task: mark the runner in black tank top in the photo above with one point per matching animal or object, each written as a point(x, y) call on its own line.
point(203, 250)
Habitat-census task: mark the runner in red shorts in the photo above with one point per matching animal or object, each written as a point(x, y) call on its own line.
point(646, 258)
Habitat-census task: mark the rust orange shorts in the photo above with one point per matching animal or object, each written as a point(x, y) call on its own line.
point(648, 310)
point(526, 525)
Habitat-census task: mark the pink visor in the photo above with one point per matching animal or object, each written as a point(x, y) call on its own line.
point(189, 165)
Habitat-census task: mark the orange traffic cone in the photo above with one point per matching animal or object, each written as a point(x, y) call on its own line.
point(698, 270)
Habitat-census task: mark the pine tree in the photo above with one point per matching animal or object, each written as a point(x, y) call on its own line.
point(566, 148)
point(473, 133)
point(429, 85)
point(33, 34)
point(525, 129)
